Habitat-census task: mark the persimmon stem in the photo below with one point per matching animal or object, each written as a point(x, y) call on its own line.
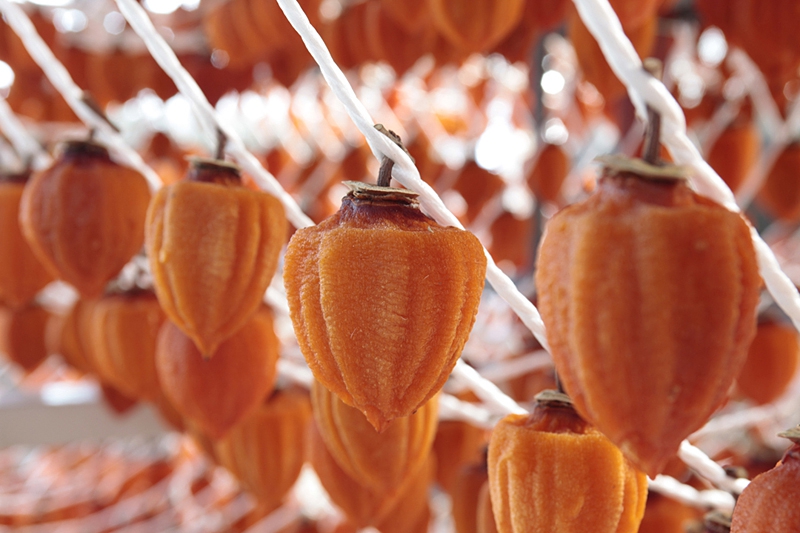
point(652, 139)
point(222, 140)
point(89, 100)
point(385, 172)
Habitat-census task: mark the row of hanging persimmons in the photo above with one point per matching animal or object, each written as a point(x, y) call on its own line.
point(647, 289)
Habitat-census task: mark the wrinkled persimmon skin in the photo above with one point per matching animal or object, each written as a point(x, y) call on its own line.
point(382, 299)
point(381, 461)
point(769, 504)
point(213, 246)
point(217, 393)
point(267, 450)
point(648, 292)
point(84, 217)
point(551, 472)
point(366, 506)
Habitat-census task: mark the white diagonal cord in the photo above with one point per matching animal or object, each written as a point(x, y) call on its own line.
point(164, 55)
point(26, 146)
point(62, 81)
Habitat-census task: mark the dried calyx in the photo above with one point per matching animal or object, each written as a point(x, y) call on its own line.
point(791, 434)
point(382, 192)
point(213, 171)
point(79, 148)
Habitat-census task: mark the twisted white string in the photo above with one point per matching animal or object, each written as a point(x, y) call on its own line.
point(23, 142)
point(62, 81)
point(164, 55)
point(688, 495)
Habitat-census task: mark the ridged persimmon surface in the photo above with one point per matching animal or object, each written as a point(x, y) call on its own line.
point(382, 460)
point(21, 273)
point(217, 393)
point(398, 509)
point(476, 26)
point(552, 472)
point(382, 299)
point(267, 450)
point(123, 330)
point(649, 292)
point(213, 246)
point(84, 216)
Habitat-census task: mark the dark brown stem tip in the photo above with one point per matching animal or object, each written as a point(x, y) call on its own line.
point(652, 140)
point(90, 102)
point(791, 434)
point(385, 172)
point(222, 140)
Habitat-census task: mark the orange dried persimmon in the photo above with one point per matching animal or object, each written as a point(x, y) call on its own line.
point(382, 299)
point(772, 361)
point(267, 450)
point(379, 461)
point(22, 335)
point(213, 246)
point(648, 292)
point(216, 394)
point(84, 216)
point(21, 273)
point(552, 472)
point(123, 330)
point(769, 503)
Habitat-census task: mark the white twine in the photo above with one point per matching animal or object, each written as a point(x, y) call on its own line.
point(26, 146)
point(451, 408)
point(164, 55)
point(688, 495)
point(62, 81)
point(709, 469)
point(487, 391)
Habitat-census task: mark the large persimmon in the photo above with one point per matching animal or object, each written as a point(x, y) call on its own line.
point(382, 299)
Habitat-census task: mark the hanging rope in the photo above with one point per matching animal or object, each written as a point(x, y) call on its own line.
point(23, 142)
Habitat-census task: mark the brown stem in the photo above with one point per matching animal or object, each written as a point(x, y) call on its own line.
point(652, 140)
point(89, 100)
point(222, 140)
point(385, 172)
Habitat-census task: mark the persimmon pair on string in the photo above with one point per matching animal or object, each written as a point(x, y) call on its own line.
point(213, 246)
